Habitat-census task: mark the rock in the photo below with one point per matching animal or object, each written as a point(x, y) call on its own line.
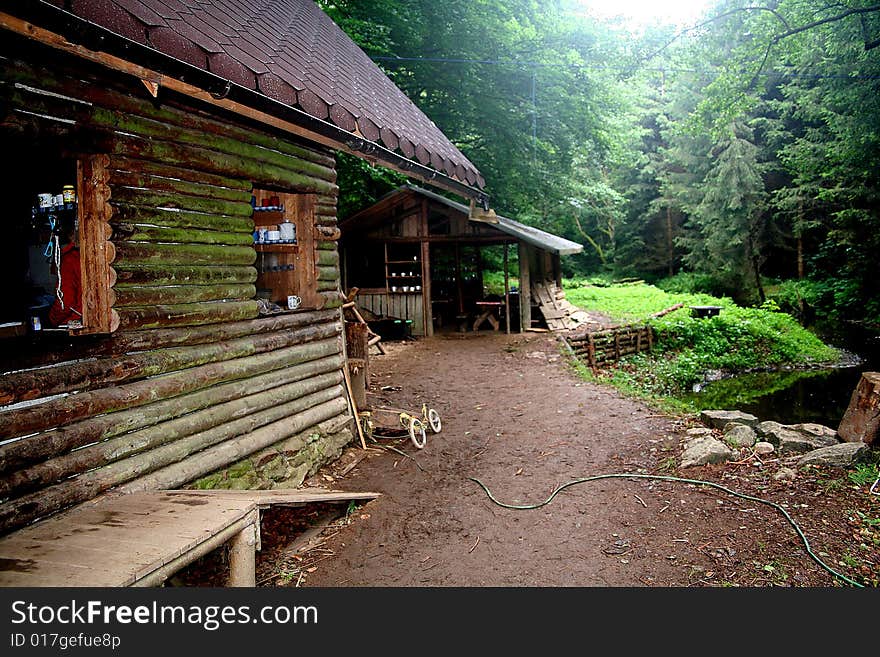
point(703, 450)
point(785, 474)
point(792, 442)
point(739, 435)
point(861, 422)
point(819, 432)
point(697, 432)
point(717, 419)
point(842, 455)
point(763, 449)
point(763, 429)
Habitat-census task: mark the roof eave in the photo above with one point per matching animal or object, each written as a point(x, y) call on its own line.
point(60, 29)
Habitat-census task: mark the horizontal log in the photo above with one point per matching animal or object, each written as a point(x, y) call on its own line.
point(232, 451)
point(267, 406)
point(186, 314)
point(158, 199)
point(328, 258)
point(332, 300)
point(89, 374)
point(331, 233)
point(328, 286)
point(22, 510)
point(220, 142)
point(172, 218)
point(119, 164)
point(143, 296)
point(66, 348)
point(328, 274)
point(125, 232)
point(185, 119)
point(215, 162)
point(139, 178)
point(56, 442)
point(182, 275)
point(129, 253)
point(62, 411)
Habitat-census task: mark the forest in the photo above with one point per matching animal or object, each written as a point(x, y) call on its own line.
point(735, 156)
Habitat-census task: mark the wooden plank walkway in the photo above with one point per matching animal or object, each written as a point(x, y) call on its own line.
point(142, 538)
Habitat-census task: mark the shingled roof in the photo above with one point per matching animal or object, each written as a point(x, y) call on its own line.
point(288, 51)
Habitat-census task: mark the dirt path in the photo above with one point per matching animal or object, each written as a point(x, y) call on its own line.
point(515, 417)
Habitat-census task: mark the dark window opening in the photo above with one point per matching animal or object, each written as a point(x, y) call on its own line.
point(41, 239)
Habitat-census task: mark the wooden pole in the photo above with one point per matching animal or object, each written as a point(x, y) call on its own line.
point(242, 558)
point(354, 410)
point(506, 293)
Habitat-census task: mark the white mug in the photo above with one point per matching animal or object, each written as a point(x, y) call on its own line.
point(293, 302)
point(45, 200)
point(274, 236)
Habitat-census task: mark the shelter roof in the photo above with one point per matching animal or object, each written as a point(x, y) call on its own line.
point(529, 234)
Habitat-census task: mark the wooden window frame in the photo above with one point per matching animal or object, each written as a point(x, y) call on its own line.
point(96, 251)
point(299, 209)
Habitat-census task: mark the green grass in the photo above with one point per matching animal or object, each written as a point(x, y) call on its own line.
point(737, 340)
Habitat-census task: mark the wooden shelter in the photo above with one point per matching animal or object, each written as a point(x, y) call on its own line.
point(416, 255)
point(183, 129)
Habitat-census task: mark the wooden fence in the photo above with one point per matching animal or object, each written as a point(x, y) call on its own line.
point(597, 347)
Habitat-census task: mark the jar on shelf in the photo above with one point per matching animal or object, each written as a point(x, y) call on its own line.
point(68, 194)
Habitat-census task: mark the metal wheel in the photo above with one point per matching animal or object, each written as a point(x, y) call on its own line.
point(434, 420)
point(417, 432)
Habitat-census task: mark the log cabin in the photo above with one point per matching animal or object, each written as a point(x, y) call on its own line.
point(187, 151)
point(417, 257)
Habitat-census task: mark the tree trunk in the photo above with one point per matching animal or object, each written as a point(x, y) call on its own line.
point(861, 422)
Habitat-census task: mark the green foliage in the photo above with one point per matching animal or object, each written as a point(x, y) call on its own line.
point(864, 474)
point(736, 340)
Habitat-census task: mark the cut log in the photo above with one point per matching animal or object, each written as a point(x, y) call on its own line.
point(861, 422)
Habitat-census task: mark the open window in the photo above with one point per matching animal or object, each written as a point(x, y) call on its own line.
point(55, 253)
point(284, 238)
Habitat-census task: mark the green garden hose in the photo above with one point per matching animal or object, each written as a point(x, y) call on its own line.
point(523, 507)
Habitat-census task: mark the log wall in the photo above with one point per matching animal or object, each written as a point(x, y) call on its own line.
point(194, 379)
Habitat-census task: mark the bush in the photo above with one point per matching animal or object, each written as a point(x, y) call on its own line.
point(736, 340)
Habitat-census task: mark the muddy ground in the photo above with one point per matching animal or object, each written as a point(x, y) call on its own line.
point(516, 417)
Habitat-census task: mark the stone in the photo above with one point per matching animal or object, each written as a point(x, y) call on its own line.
point(763, 429)
point(785, 474)
point(696, 432)
point(794, 442)
point(763, 449)
point(717, 419)
point(842, 455)
point(861, 421)
point(739, 435)
point(818, 431)
point(705, 450)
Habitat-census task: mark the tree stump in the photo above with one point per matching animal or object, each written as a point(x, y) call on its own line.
point(861, 422)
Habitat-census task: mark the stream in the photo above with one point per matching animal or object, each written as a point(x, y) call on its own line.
point(793, 396)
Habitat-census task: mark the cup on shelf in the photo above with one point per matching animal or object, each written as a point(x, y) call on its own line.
point(274, 236)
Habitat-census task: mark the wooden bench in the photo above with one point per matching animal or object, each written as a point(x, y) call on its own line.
point(142, 538)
